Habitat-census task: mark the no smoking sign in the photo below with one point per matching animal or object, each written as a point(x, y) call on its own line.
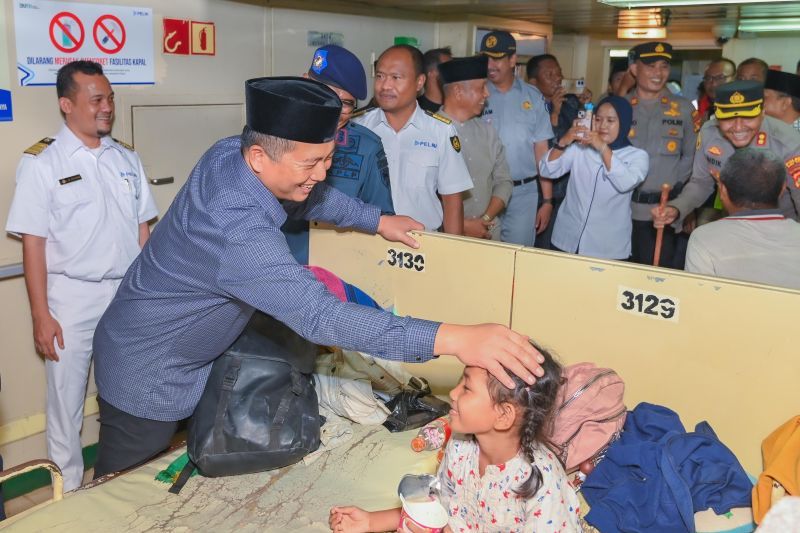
point(109, 34)
point(67, 33)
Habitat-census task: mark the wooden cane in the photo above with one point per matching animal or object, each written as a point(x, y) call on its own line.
point(660, 231)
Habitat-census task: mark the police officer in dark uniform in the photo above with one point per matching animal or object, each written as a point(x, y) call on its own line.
point(359, 168)
point(662, 126)
point(740, 122)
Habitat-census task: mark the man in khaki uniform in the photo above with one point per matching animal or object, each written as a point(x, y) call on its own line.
point(663, 126)
point(740, 122)
point(465, 95)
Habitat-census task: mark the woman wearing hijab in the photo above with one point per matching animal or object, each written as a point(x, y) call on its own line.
point(595, 218)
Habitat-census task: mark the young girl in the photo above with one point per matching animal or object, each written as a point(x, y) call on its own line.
point(595, 218)
point(498, 475)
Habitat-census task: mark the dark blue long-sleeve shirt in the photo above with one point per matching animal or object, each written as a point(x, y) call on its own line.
point(217, 255)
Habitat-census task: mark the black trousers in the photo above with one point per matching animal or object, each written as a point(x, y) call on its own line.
point(643, 245)
point(127, 441)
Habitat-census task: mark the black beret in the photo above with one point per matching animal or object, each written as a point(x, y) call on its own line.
point(741, 98)
point(464, 68)
point(783, 82)
point(296, 109)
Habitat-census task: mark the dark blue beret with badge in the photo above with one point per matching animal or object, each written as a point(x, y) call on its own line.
point(337, 66)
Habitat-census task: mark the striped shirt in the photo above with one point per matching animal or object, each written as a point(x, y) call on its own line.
point(217, 255)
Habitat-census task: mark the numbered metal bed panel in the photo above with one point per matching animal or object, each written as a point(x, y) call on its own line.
point(707, 348)
point(448, 279)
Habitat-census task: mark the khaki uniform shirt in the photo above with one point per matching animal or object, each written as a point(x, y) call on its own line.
point(713, 150)
point(486, 161)
point(760, 246)
point(664, 128)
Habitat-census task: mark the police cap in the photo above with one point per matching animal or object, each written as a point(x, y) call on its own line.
point(498, 44)
point(741, 98)
point(652, 52)
point(339, 67)
point(292, 108)
point(463, 69)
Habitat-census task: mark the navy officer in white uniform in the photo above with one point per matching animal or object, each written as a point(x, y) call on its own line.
point(423, 148)
point(81, 206)
point(219, 254)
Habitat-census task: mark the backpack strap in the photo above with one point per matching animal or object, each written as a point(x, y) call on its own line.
point(183, 477)
point(228, 382)
point(297, 389)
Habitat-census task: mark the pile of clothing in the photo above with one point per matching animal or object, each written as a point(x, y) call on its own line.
point(658, 475)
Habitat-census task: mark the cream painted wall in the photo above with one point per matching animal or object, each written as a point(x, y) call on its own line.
point(252, 40)
point(783, 51)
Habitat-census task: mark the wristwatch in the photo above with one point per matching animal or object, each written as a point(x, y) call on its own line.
point(547, 201)
point(486, 218)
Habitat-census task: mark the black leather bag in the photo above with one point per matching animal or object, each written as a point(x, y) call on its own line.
point(259, 409)
point(414, 407)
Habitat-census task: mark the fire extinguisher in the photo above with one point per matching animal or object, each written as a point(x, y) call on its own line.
point(203, 39)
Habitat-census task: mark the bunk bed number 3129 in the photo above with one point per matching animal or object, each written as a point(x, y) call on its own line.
point(648, 304)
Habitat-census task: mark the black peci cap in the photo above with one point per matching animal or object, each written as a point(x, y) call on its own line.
point(783, 82)
point(463, 69)
point(296, 109)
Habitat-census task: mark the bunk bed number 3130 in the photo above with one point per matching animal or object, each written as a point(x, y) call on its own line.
point(644, 303)
point(404, 260)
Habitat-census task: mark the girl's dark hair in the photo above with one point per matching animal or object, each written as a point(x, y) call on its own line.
point(536, 404)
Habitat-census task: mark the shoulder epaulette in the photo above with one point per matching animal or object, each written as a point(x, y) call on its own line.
point(123, 144)
point(40, 146)
point(359, 112)
point(439, 117)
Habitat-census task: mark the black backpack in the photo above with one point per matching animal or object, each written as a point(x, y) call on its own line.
point(259, 409)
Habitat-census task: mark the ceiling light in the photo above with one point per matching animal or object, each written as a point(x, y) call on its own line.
point(767, 24)
point(670, 3)
point(641, 33)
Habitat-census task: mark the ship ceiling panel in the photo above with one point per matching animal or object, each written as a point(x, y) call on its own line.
point(566, 16)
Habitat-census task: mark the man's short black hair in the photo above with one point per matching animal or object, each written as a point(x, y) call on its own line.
point(65, 82)
point(416, 56)
point(755, 61)
point(754, 178)
point(534, 63)
point(434, 56)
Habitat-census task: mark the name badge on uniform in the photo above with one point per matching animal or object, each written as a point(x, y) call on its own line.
point(64, 181)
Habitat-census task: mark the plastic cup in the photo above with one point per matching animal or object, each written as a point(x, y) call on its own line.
point(422, 516)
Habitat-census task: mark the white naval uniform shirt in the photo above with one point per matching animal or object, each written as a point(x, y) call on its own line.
point(761, 246)
point(422, 162)
point(87, 206)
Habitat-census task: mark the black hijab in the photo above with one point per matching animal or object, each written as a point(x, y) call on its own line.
point(625, 115)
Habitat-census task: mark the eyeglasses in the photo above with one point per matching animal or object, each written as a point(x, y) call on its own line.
point(716, 79)
point(348, 105)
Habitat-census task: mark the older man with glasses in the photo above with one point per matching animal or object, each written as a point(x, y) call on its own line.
point(359, 168)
